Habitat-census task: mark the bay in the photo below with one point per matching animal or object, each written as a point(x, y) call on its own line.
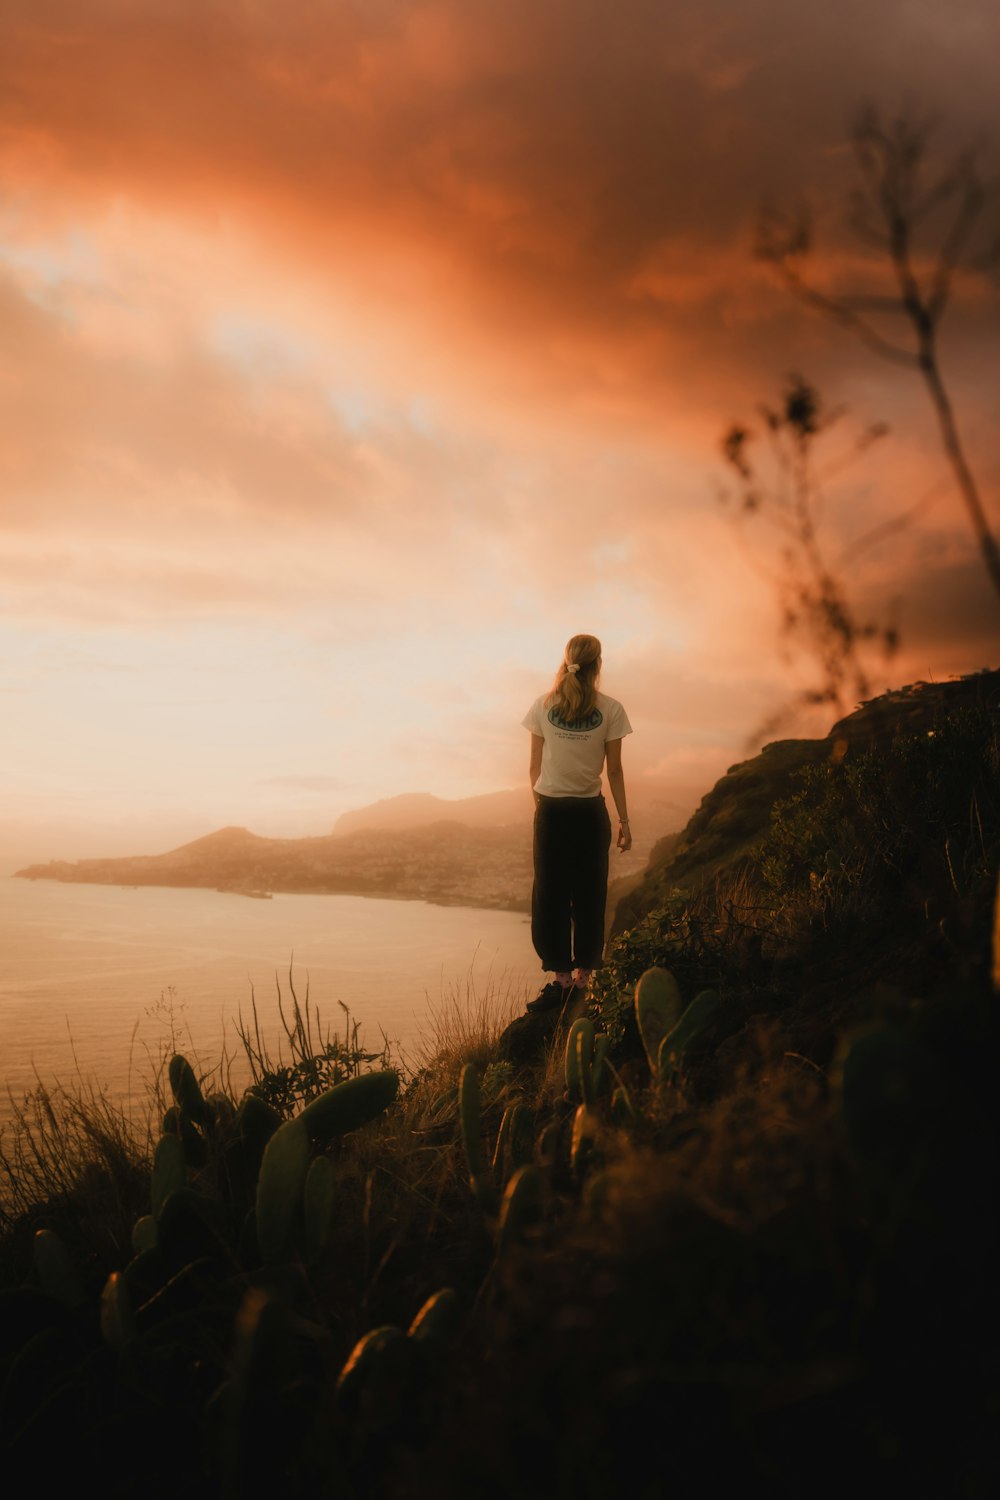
point(98, 983)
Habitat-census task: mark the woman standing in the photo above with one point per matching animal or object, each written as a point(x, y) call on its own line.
point(574, 730)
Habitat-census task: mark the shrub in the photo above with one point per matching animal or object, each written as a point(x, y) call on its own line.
point(678, 936)
point(915, 819)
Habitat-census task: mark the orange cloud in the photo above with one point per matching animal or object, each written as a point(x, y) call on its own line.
point(420, 322)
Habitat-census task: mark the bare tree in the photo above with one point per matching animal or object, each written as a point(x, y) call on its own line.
point(901, 203)
point(816, 611)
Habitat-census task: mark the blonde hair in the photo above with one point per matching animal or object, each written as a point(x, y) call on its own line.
point(574, 694)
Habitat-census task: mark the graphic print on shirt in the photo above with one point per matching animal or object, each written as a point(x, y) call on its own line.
point(576, 726)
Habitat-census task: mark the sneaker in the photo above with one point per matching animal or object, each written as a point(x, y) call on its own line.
point(552, 997)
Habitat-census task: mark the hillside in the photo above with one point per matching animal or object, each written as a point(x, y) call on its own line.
point(736, 813)
point(421, 809)
point(651, 806)
point(735, 1232)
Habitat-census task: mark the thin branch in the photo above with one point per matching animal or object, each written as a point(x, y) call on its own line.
point(835, 466)
point(891, 527)
point(966, 483)
point(890, 162)
point(962, 226)
point(841, 314)
point(871, 303)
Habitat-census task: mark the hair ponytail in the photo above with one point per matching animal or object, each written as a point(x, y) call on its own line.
point(574, 691)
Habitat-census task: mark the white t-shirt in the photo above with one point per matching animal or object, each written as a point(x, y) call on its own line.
point(573, 754)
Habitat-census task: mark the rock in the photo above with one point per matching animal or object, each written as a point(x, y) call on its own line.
point(527, 1036)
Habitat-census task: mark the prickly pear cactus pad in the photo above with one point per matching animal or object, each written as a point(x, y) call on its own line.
point(280, 1187)
point(657, 1010)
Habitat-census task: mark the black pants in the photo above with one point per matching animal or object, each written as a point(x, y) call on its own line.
point(572, 839)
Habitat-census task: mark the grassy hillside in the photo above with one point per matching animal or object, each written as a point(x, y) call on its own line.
point(737, 1229)
point(736, 813)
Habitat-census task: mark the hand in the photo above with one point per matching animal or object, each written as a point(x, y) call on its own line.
point(624, 838)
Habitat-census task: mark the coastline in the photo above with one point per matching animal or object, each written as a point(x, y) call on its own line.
point(471, 903)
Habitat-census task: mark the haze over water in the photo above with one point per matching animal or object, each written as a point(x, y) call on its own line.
point(88, 973)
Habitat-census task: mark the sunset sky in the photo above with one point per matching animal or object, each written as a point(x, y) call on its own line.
point(356, 354)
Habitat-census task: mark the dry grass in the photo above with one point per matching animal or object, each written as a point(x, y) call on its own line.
point(465, 1025)
point(74, 1160)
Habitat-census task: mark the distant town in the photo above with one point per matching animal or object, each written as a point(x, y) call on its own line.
point(447, 862)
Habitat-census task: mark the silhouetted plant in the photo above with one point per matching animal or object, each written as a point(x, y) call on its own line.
point(892, 213)
point(684, 935)
point(320, 1059)
point(816, 612)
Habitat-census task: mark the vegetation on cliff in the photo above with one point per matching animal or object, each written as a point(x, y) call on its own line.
point(735, 1226)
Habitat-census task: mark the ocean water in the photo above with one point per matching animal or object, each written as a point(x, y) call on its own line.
point(97, 982)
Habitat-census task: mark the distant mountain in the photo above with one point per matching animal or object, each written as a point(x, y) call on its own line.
point(418, 809)
point(657, 809)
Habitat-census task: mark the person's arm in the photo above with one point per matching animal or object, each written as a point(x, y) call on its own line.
point(535, 765)
point(616, 781)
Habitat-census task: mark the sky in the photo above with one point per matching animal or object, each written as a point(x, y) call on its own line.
point(355, 355)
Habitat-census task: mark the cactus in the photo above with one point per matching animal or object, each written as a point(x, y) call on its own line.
point(173, 1296)
point(599, 1064)
point(586, 1063)
point(579, 1052)
point(251, 1452)
point(256, 1122)
point(437, 1321)
point(469, 1121)
point(378, 1379)
point(584, 1142)
point(657, 1010)
point(169, 1171)
point(145, 1274)
point(484, 1193)
point(521, 1137)
point(186, 1091)
point(521, 1207)
point(597, 1193)
point(177, 1122)
point(117, 1317)
point(705, 1010)
point(144, 1234)
point(585, 1066)
point(350, 1105)
point(514, 1142)
point(317, 1206)
point(221, 1110)
point(191, 1227)
point(501, 1152)
point(56, 1271)
point(622, 1109)
point(242, 1153)
point(280, 1188)
point(547, 1144)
